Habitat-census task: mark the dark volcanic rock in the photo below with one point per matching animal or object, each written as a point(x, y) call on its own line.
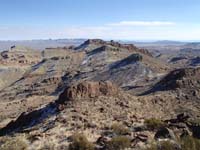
point(180, 118)
point(28, 119)
point(100, 43)
point(175, 59)
point(23, 120)
point(194, 127)
point(181, 78)
point(185, 79)
point(165, 133)
point(195, 61)
point(94, 41)
point(102, 49)
point(129, 60)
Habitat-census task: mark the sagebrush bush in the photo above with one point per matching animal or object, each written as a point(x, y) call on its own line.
point(194, 122)
point(190, 143)
point(186, 143)
point(154, 123)
point(120, 129)
point(80, 142)
point(47, 146)
point(164, 145)
point(13, 143)
point(119, 143)
point(152, 146)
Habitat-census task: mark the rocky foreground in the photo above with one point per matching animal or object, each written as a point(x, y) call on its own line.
point(99, 95)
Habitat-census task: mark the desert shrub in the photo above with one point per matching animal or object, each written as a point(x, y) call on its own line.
point(13, 143)
point(186, 143)
point(152, 146)
point(80, 142)
point(120, 129)
point(119, 143)
point(62, 147)
point(190, 143)
point(154, 123)
point(194, 122)
point(165, 145)
point(47, 146)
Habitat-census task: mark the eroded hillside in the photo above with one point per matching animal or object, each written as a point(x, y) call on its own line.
point(96, 88)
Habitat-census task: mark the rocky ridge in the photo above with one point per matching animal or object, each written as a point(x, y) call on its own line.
point(95, 86)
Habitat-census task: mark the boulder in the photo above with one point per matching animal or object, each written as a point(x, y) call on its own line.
point(195, 130)
point(102, 141)
point(165, 133)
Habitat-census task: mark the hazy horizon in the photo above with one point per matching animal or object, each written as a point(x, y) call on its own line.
point(124, 40)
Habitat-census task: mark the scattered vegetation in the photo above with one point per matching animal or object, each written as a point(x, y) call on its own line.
point(167, 145)
point(120, 129)
point(190, 143)
point(152, 146)
point(13, 143)
point(164, 145)
point(80, 142)
point(195, 122)
point(119, 143)
point(154, 123)
point(48, 146)
point(186, 143)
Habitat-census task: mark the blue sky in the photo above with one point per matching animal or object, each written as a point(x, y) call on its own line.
point(107, 19)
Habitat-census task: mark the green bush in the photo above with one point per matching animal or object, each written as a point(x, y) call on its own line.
point(119, 143)
point(13, 143)
point(120, 129)
point(80, 142)
point(154, 123)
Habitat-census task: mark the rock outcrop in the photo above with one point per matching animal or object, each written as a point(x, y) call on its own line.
point(185, 78)
point(195, 61)
point(99, 43)
point(28, 119)
point(134, 58)
point(88, 89)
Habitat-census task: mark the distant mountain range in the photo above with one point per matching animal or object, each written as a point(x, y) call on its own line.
point(40, 44)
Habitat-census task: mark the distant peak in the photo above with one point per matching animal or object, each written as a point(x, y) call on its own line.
point(94, 41)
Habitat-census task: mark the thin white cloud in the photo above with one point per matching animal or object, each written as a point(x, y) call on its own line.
point(142, 33)
point(142, 23)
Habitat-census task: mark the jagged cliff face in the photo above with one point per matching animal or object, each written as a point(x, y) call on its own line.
point(185, 82)
point(86, 90)
point(182, 79)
